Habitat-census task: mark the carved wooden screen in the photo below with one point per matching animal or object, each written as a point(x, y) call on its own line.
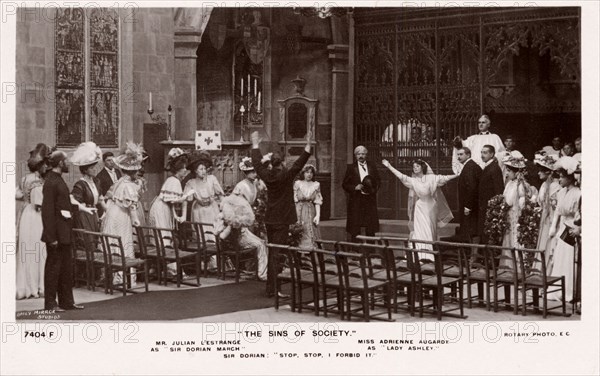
point(423, 76)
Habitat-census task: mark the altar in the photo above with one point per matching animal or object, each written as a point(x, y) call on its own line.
point(225, 161)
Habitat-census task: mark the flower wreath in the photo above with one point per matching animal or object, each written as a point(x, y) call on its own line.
point(528, 229)
point(496, 220)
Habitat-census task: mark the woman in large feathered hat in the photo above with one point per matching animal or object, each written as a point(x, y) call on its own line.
point(86, 191)
point(121, 214)
point(163, 210)
point(31, 253)
point(546, 198)
point(567, 207)
point(516, 191)
point(207, 190)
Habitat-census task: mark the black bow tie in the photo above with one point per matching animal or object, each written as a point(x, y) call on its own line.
point(484, 133)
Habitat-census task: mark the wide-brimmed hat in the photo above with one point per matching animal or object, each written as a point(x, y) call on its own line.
point(246, 164)
point(86, 154)
point(197, 158)
point(569, 164)
point(174, 155)
point(545, 160)
point(132, 158)
point(515, 160)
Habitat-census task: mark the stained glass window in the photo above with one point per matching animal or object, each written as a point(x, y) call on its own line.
point(87, 70)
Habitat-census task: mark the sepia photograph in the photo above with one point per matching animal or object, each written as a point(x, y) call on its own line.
point(292, 185)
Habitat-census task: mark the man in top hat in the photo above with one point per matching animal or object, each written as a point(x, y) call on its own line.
point(477, 141)
point(361, 184)
point(57, 220)
point(109, 174)
point(281, 209)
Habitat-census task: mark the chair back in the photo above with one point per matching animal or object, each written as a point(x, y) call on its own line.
point(329, 245)
point(532, 263)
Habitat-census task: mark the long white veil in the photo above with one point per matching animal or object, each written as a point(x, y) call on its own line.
point(444, 214)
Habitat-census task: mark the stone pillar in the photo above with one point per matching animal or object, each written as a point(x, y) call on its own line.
point(185, 106)
point(340, 100)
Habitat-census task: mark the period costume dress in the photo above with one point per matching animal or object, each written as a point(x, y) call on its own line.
point(307, 194)
point(161, 214)
point(547, 199)
point(122, 210)
point(247, 190)
point(87, 192)
point(31, 253)
point(428, 208)
point(567, 208)
point(205, 200)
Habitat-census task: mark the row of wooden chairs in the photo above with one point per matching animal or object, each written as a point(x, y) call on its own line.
point(491, 268)
point(95, 251)
point(187, 247)
point(342, 276)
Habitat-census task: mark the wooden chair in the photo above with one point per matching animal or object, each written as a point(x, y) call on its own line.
point(331, 282)
point(231, 249)
point(357, 284)
point(286, 276)
point(534, 277)
point(88, 251)
point(505, 272)
point(479, 273)
point(436, 282)
point(118, 262)
point(306, 277)
point(147, 242)
point(168, 246)
point(193, 238)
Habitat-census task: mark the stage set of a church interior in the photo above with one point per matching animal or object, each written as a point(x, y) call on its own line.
point(403, 82)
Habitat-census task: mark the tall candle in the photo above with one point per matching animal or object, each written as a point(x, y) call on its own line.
point(255, 87)
point(249, 84)
point(150, 101)
point(258, 101)
point(242, 87)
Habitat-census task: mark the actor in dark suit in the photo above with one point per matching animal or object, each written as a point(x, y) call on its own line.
point(468, 192)
point(109, 174)
point(361, 183)
point(490, 185)
point(281, 209)
point(57, 219)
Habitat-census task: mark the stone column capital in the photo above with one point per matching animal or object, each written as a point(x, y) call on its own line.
point(186, 43)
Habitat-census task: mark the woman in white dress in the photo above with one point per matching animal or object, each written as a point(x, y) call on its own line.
point(308, 199)
point(163, 211)
point(547, 199)
point(207, 192)
point(31, 251)
point(566, 209)
point(123, 198)
point(516, 191)
point(427, 206)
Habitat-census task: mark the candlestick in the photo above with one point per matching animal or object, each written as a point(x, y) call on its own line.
point(150, 102)
point(249, 84)
point(169, 113)
point(258, 106)
point(255, 87)
point(242, 87)
point(242, 110)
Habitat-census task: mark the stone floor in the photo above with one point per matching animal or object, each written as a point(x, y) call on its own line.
point(284, 314)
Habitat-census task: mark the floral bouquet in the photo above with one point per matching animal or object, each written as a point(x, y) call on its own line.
point(496, 220)
point(528, 229)
point(295, 233)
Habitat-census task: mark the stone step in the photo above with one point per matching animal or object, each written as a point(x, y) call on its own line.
point(336, 229)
